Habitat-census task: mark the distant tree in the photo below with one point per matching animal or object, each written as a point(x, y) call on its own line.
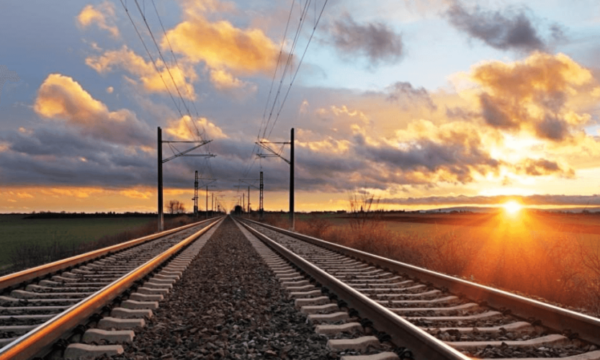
point(175, 207)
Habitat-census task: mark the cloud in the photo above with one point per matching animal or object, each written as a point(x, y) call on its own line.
point(153, 81)
point(556, 200)
point(184, 129)
point(376, 41)
point(219, 44)
point(98, 15)
point(539, 94)
point(541, 167)
point(426, 153)
point(224, 81)
point(404, 93)
point(61, 97)
point(508, 29)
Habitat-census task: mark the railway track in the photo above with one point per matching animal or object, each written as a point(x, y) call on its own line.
point(432, 315)
point(48, 308)
point(363, 306)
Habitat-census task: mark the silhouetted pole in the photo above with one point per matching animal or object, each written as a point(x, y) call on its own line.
point(292, 220)
point(196, 196)
point(212, 205)
point(243, 202)
point(248, 200)
point(260, 197)
point(160, 181)
point(207, 201)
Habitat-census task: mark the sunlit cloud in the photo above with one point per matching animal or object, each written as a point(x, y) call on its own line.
point(225, 81)
point(164, 81)
point(185, 128)
point(533, 95)
point(219, 44)
point(101, 15)
point(61, 97)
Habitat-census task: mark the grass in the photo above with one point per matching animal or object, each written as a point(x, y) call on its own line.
point(555, 258)
point(15, 231)
point(30, 242)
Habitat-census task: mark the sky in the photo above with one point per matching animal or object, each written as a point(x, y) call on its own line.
point(421, 104)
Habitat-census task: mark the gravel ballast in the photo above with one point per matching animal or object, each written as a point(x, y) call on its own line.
point(228, 305)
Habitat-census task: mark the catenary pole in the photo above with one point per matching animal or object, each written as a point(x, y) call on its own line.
point(160, 181)
point(260, 199)
point(292, 220)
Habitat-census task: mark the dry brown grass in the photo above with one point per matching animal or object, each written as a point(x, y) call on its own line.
point(560, 268)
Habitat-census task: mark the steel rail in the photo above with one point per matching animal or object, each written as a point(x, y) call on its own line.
point(42, 337)
point(558, 319)
point(50, 268)
point(402, 332)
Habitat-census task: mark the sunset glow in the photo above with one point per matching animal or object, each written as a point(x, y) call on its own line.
point(512, 207)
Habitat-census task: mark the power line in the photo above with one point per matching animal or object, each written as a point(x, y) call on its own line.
point(167, 67)
point(288, 62)
point(172, 52)
point(151, 58)
point(178, 67)
point(254, 147)
point(277, 66)
point(299, 64)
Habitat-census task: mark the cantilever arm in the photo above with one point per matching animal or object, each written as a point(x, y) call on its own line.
point(188, 150)
point(264, 146)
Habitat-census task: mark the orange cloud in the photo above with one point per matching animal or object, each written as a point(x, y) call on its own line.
point(136, 194)
point(75, 198)
point(223, 80)
point(98, 15)
point(220, 44)
point(534, 95)
point(183, 128)
point(152, 81)
point(61, 97)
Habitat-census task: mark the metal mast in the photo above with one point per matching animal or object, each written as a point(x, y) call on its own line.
point(161, 161)
point(196, 195)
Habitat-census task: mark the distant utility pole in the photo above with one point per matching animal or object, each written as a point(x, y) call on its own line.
point(291, 162)
point(161, 161)
point(206, 182)
point(261, 209)
point(248, 181)
point(196, 195)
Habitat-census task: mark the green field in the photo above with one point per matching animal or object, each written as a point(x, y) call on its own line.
point(16, 231)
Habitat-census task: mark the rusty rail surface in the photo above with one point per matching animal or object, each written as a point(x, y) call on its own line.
point(402, 332)
point(553, 317)
point(50, 268)
point(42, 337)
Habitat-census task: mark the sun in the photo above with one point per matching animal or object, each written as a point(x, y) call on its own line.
point(512, 207)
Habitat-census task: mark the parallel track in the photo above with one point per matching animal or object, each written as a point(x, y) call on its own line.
point(48, 304)
point(433, 315)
